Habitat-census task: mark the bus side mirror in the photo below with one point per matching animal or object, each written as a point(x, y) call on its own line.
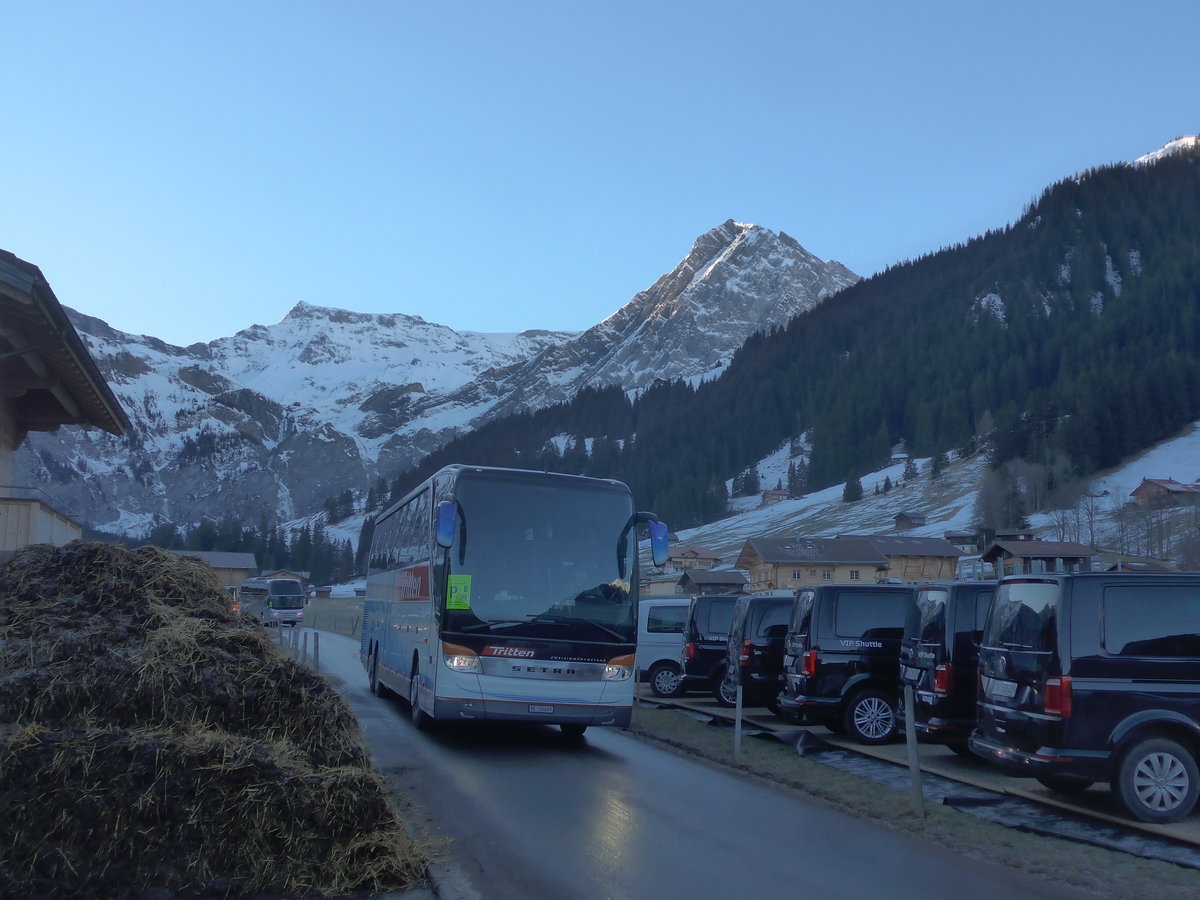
point(658, 543)
point(447, 523)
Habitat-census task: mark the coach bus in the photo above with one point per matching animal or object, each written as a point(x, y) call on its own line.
point(503, 594)
point(273, 601)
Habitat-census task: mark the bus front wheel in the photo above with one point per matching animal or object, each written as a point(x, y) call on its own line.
point(420, 718)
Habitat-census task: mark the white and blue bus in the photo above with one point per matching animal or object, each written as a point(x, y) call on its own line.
point(502, 594)
point(273, 601)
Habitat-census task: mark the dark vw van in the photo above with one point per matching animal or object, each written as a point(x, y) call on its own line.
point(939, 657)
point(754, 650)
point(705, 639)
point(1096, 677)
point(842, 667)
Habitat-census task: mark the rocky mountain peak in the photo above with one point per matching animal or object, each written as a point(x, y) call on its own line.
point(282, 417)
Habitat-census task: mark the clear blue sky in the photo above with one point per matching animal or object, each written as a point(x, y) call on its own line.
point(188, 169)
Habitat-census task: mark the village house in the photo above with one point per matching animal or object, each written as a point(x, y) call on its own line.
point(966, 541)
point(907, 520)
point(1157, 493)
point(231, 568)
point(726, 581)
point(1027, 556)
point(49, 379)
point(788, 563)
point(691, 558)
point(774, 495)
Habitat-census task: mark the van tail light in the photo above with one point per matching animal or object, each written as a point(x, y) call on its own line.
point(747, 652)
point(689, 650)
point(943, 679)
point(808, 663)
point(1056, 700)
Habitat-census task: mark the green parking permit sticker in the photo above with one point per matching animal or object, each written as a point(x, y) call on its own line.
point(460, 592)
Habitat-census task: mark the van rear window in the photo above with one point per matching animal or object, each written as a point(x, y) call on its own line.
point(927, 619)
point(871, 615)
point(1152, 620)
point(720, 617)
point(1024, 616)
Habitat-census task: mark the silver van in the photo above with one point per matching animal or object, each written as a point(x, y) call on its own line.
point(660, 643)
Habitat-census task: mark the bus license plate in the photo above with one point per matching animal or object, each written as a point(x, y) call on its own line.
point(540, 709)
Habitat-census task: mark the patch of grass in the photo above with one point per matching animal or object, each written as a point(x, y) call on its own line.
point(341, 615)
point(1104, 872)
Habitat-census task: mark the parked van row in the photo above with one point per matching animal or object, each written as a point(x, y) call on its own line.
point(1073, 679)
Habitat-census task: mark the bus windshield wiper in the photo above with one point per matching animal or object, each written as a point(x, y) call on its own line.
point(549, 619)
point(505, 623)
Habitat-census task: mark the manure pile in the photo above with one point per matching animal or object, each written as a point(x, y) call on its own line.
point(153, 744)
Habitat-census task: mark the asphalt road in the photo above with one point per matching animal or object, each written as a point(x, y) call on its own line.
point(531, 814)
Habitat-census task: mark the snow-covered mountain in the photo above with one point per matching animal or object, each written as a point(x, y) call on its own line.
point(270, 422)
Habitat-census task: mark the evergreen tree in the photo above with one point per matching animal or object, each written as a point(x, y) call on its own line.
point(852, 491)
point(937, 465)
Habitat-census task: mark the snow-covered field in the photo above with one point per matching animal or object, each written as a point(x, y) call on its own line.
point(948, 503)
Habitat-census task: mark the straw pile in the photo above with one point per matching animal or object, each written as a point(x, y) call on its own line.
point(153, 744)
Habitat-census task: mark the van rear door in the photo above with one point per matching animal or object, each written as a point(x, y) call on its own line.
point(922, 648)
point(1020, 676)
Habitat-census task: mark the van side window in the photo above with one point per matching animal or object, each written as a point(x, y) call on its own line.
point(871, 615)
point(666, 619)
point(1146, 620)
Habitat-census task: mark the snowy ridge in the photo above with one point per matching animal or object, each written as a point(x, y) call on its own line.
point(1175, 146)
point(272, 421)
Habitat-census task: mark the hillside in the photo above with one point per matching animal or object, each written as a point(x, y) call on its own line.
point(948, 504)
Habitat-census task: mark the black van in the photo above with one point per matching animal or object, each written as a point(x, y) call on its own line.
point(754, 651)
point(842, 667)
point(705, 638)
point(939, 657)
point(1096, 677)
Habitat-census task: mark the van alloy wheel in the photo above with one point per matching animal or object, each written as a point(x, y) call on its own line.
point(726, 692)
point(665, 680)
point(870, 718)
point(1157, 781)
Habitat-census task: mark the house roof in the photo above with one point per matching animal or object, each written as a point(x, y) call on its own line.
point(811, 550)
point(692, 553)
point(44, 364)
point(1170, 485)
point(726, 576)
point(1038, 550)
point(864, 549)
point(222, 559)
point(902, 545)
point(1135, 565)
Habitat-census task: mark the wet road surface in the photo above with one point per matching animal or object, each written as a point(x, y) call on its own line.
point(532, 814)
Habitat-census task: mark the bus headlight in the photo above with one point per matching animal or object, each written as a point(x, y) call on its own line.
point(619, 669)
point(459, 658)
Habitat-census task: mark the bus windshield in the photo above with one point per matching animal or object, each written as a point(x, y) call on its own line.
point(542, 561)
point(286, 594)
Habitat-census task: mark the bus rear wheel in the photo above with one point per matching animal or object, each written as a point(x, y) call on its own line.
point(572, 729)
point(377, 687)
